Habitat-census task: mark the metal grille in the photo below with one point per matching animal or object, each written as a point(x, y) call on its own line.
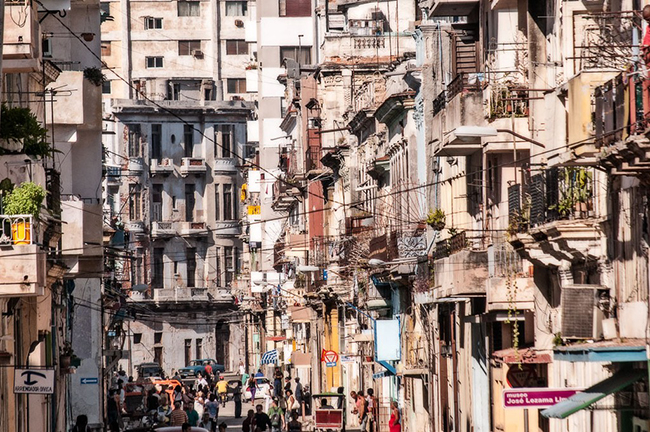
point(537, 200)
point(578, 312)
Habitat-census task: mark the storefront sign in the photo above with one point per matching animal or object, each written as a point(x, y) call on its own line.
point(541, 397)
point(254, 210)
point(34, 381)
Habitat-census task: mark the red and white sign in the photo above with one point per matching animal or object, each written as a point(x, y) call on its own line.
point(541, 397)
point(329, 356)
point(524, 375)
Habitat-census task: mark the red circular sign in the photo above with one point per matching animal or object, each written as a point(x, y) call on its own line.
point(524, 375)
point(330, 356)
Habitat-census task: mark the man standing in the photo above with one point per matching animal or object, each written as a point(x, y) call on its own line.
point(300, 396)
point(192, 414)
point(362, 411)
point(373, 410)
point(277, 383)
point(178, 416)
point(236, 397)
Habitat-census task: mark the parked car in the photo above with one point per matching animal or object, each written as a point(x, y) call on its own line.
point(263, 387)
point(199, 365)
point(146, 370)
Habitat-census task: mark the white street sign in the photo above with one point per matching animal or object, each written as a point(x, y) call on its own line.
point(34, 381)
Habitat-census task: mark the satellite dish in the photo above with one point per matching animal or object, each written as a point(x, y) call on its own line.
point(140, 287)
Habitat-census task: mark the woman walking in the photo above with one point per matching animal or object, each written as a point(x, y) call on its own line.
point(395, 421)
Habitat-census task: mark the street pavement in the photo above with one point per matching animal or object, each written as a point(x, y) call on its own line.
point(227, 415)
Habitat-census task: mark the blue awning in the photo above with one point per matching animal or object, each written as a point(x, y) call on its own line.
point(593, 394)
point(614, 354)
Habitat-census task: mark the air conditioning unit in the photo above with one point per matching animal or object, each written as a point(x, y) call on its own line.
point(583, 311)
point(197, 53)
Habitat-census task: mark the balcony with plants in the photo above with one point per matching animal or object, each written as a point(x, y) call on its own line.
point(558, 216)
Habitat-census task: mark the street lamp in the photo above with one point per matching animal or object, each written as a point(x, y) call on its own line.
point(471, 133)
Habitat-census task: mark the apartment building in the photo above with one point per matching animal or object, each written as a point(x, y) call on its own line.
point(51, 324)
point(176, 107)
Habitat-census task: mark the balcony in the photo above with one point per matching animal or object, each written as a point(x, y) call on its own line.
point(164, 166)
point(136, 165)
point(226, 166)
point(185, 298)
point(135, 227)
point(449, 256)
point(227, 228)
point(163, 229)
point(561, 222)
point(507, 272)
point(193, 229)
point(21, 49)
point(453, 7)
point(284, 196)
point(193, 166)
point(22, 261)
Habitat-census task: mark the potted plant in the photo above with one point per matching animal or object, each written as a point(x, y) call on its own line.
point(94, 75)
point(436, 219)
point(21, 132)
point(25, 199)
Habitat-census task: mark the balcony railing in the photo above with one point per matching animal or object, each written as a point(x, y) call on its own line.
point(162, 166)
point(450, 246)
point(461, 84)
point(313, 157)
point(16, 230)
point(506, 102)
point(193, 166)
point(554, 194)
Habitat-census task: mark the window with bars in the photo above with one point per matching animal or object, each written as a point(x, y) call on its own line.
point(134, 140)
point(189, 8)
point(236, 85)
point(152, 23)
point(154, 62)
point(228, 202)
point(236, 8)
point(157, 267)
point(236, 47)
point(187, 47)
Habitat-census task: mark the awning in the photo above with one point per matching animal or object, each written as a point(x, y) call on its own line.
point(299, 359)
point(362, 337)
point(301, 314)
point(523, 355)
point(593, 394)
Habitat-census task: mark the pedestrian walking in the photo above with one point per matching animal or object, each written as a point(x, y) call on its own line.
point(81, 425)
point(259, 374)
point(236, 397)
point(207, 422)
point(292, 404)
point(262, 420)
point(212, 407)
point(192, 415)
point(277, 416)
point(395, 421)
point(248, 424)
point(178, 416)
point(294, 425)
point(373, 410)
point(252, 388)
point(277, 383)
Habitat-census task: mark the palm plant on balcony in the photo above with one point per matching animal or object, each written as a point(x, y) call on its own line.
point(576, 192)
point(21, 132)
point(25, 199)
point(436, 219)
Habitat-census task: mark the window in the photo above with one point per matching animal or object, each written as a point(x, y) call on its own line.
point(224, 141)
point(158, 355)
point(151, 23)
point(46, 47)
point(217, 267)
point(236, 47)
point(230, 270)
point(105, 8)
point(156, 205)
point(190, 254)
point(236, 8)
point(236, 85)
point(106, 87)
point(199, 348)
point(137, 338)
point(156, 141)
point(188, 351)
point(227, 202)
point(188, 139)
point(158, 268)
point(106, 48)
point(189, 8)
point(300, 54)
point(217, 203)
point(185, 47)
point(189, 202)
point(134, 202)
point(157, 338)
point(134, 139)
point(154, 62)
point(295, 8)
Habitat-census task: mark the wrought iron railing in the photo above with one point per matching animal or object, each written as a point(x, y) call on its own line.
point(16, 230)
